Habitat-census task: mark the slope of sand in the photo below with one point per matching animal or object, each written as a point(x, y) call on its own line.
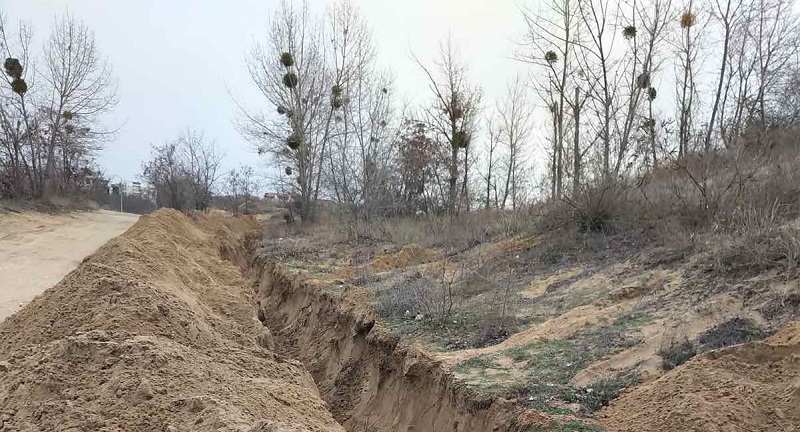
point(37, 250)
point(154, 332)
point(753, 387)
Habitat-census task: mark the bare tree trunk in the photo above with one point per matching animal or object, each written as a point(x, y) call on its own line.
point(725, 17)
point(652, 133)
point(452, 189)
point(685, 100)
point(576, 148)
point(554, 159)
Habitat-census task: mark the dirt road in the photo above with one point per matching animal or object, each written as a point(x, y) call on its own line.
point(37, 250)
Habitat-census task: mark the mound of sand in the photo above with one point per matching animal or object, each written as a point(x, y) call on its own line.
point(752, 387)
point(409, 255)
point(154, 332)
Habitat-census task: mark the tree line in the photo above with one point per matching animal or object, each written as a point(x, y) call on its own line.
point(629, 89)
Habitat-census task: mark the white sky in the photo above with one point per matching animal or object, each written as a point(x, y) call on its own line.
point(177, 60)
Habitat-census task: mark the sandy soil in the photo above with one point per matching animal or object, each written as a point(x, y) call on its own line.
point(155, 331)
point(750, 387)
point(37, 250)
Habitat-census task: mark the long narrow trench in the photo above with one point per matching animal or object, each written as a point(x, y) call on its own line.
point(370, 379)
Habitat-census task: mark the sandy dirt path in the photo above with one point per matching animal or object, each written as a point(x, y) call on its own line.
point(37, 250)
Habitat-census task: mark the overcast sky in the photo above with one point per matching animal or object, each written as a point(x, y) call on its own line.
point(177, 62)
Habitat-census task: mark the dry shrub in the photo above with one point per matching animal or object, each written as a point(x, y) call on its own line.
point(453, 234)
point(418, 295)
point(760, 240)
point(597, 208)
point(675, 352)
point(787, 306)
point(741, 202)
point(732, 332)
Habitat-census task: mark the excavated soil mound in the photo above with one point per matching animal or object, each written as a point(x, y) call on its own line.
point(154, 332)
point(752, 387)
point(407, 256)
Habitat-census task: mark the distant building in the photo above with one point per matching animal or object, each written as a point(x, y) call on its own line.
point(275, 196)
point(133, 189)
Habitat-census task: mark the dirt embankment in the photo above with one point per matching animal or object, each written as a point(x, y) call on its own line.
point(370, 379)
point(154, 332)
point(753, 387)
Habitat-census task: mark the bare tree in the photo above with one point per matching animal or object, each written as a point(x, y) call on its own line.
point(453, 114)
point(82, 89)
point(290, 72)
point(417, 166)
point(364, 130)
point(491, 168)
point(240, 185)
point(726, 13)
point(19, 121)
point(515, 122)
point(233, 189)
point(776, 35)
point(50, 118)
point(598, 66)
point(687, 53)
point(552, 35)
point(184, 172)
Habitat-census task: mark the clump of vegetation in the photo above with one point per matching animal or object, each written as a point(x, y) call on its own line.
point(19, 86)
point(477, 362)
point(461, 139)
point(629, 32)
point(676, 352)
point(734, 331)
point(600, 393)
point(287, 59)
point(643, 80)
point(553, 364)
point(290, 80)
point(651, 94)
point(293, 141)
point(551, 57)
point(786, 306)
point(568, 426)
point(757, 242)
point(13, 67)
point(688, 19)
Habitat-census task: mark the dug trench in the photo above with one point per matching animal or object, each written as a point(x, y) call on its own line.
point(159, 331)
point(370, 379)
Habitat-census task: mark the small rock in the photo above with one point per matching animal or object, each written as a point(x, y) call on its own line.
point(163, 309)
point(4, 366)
point(196, 405)
point(144, 392)
point(419, 317)
point(265, 340)
point(170, 428)
point(780, 414)
point(5, 417)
